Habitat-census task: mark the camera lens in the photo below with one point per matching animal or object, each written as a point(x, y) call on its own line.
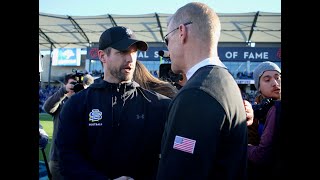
point(77, 87)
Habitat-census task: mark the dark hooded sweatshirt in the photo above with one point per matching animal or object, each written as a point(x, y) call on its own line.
point(111, 130)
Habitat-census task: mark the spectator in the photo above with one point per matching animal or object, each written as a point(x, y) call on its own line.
point(263, 154)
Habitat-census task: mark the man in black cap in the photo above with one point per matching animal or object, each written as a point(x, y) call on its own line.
point(113, 128)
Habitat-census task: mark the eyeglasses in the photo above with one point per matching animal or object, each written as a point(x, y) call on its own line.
point(166, 36)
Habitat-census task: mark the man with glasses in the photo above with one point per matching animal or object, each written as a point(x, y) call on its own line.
point(205, 135)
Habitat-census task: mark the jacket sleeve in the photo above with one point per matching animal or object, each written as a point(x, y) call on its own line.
point(193, 121)
point(72, 141)
point(261, 153)
point(52, 103)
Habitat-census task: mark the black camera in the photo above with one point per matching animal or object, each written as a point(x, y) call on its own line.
point(166, 74)
point(261, 110)
point(78, 84)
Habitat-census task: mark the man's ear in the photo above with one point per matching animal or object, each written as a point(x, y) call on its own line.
point(101, 55)
point(182, 33)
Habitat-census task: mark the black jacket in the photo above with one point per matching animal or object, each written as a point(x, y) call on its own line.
point(208, 110)
point(111, 130)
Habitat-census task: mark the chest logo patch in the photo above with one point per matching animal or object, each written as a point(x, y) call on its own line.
point(95, 115)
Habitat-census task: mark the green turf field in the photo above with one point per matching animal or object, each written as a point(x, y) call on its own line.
point(47, 124)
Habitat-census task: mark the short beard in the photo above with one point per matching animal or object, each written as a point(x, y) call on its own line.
point(121, 76)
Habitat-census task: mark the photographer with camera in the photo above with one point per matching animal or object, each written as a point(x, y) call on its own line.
point(73, 83)
point(264, 139)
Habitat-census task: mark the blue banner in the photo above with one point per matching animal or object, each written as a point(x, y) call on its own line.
point(66, 57)
point(225, 53)
point(150, 55)
point(250, 53)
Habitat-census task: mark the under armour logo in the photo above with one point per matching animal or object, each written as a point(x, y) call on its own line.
point(140, 116)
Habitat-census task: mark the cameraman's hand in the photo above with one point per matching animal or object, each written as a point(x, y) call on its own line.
point(69, 86)
point(249, 112)
point(43, 139)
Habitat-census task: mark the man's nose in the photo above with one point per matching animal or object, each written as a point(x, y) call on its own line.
point(275, 82)
point(130, 56)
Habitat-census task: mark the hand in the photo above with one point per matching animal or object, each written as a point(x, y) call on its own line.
point(261, 110)
point(69, 86)
point(43, 139)
point(249, 112)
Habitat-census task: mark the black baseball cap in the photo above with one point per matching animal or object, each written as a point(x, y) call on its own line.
point(120, 38)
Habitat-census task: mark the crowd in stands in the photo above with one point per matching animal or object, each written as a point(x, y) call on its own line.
point(249, 96)
point(244, 75)
point(44, 93)
point(96, 73)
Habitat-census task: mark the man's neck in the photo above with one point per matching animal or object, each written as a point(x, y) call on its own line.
point(115, 81)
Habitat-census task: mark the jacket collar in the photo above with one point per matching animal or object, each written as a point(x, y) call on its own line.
point(120, 87)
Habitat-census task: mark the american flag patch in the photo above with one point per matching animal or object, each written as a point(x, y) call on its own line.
point(184, 144)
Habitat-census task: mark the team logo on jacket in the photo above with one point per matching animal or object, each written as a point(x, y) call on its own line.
point(94, 117)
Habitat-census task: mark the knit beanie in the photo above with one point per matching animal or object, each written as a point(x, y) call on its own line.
point(261, 68)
